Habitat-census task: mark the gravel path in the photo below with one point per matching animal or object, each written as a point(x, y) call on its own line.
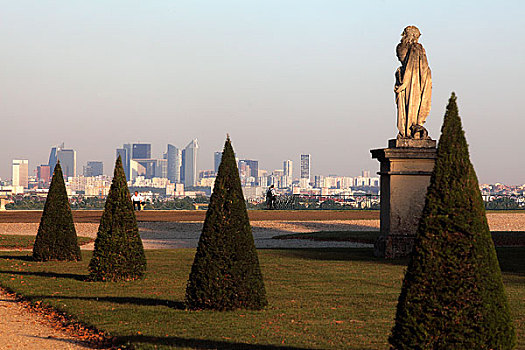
point(169, 235)
point(20, 329)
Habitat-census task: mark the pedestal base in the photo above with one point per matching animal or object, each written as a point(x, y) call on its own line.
point(406, 167)
point(394, 246)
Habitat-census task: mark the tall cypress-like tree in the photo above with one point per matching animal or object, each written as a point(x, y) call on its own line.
point(119, 253)
point(56, 238)
point(453, 295)
point(225, 274)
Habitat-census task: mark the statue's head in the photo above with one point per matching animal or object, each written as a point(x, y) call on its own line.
point(410, 35)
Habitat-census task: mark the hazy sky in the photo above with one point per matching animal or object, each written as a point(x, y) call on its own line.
point(281, 77)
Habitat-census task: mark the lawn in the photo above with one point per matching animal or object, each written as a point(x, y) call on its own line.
point(501, 238)
point(27, 241)
point(321, 298)
point(351, 236)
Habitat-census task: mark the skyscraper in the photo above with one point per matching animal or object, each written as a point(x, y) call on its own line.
point(190, 163)
point(68, 160)
point(20, 173)
point(161, 168)
point(305, 166)
point(43, 175)
point(288, 168)
point(141, 151)
point(123, 153)
point(217, 157)
point(93, 168)
point(174, 157)
point(254, 166)
point(53, 157)
point(125, 156)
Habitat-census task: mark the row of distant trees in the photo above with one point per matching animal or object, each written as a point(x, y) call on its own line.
point(187, 203)
point(97, 203)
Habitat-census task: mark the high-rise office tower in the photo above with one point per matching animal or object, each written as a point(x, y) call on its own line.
point(53, 157)
point(161, 168)
point(125, 156)
point(190, 163)
point(93, 168)
point(141, 151)
point(288, 168)
point(217, 157)
point(127, 147)
point(43, 175)
point(20, 173)
point(174, 158)
point(123, 153)
point(68, 160)
point(182, 165)
point(305, 166)
point(254, 166)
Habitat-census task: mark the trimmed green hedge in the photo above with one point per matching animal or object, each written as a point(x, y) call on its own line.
point(56, 238)
point(225, 274)
point(452, 295)
point(119, 253)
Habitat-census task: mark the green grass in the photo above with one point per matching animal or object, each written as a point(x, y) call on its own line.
point(318, 298)
point(501, 238)
point(352, 236)
point(27, 241)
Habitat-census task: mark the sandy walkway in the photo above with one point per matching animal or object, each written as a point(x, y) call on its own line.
point(170, 235)
point(21, 329)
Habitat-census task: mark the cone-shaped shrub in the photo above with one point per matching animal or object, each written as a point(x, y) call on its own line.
point(225, 274)
point(119, 253)
point(452, 295)
point(56, 238)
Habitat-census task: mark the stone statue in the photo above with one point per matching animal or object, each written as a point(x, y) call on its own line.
point(413, 86)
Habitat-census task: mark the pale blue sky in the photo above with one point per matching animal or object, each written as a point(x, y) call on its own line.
point(282, 77)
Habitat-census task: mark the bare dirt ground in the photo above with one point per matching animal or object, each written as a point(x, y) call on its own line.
point(174, 229)
point(22, 329)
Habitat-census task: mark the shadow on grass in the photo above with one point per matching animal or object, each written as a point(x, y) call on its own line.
point(178, 305)
point(18, 257)
point(340, 254)
point(198, 343)
point(73, 276)
point(510, 258)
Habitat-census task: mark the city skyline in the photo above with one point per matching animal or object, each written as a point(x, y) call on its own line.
point(141, 151)
point(281, 78)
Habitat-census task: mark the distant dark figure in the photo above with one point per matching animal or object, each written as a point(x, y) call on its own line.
point(137, 200)
point(271, 196)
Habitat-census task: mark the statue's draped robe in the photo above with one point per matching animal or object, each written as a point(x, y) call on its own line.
point(413, 102)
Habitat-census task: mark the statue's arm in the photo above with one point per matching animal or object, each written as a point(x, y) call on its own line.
point(411, 66)
point(406, 80)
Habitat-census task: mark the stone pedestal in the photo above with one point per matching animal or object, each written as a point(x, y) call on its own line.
point(406, 166)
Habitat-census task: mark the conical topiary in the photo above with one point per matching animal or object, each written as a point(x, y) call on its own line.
point(453, 295)
point(119, 253)
point(56, 238)
point(225, 274)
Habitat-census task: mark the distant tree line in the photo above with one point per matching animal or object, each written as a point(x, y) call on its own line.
point(97, 203)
